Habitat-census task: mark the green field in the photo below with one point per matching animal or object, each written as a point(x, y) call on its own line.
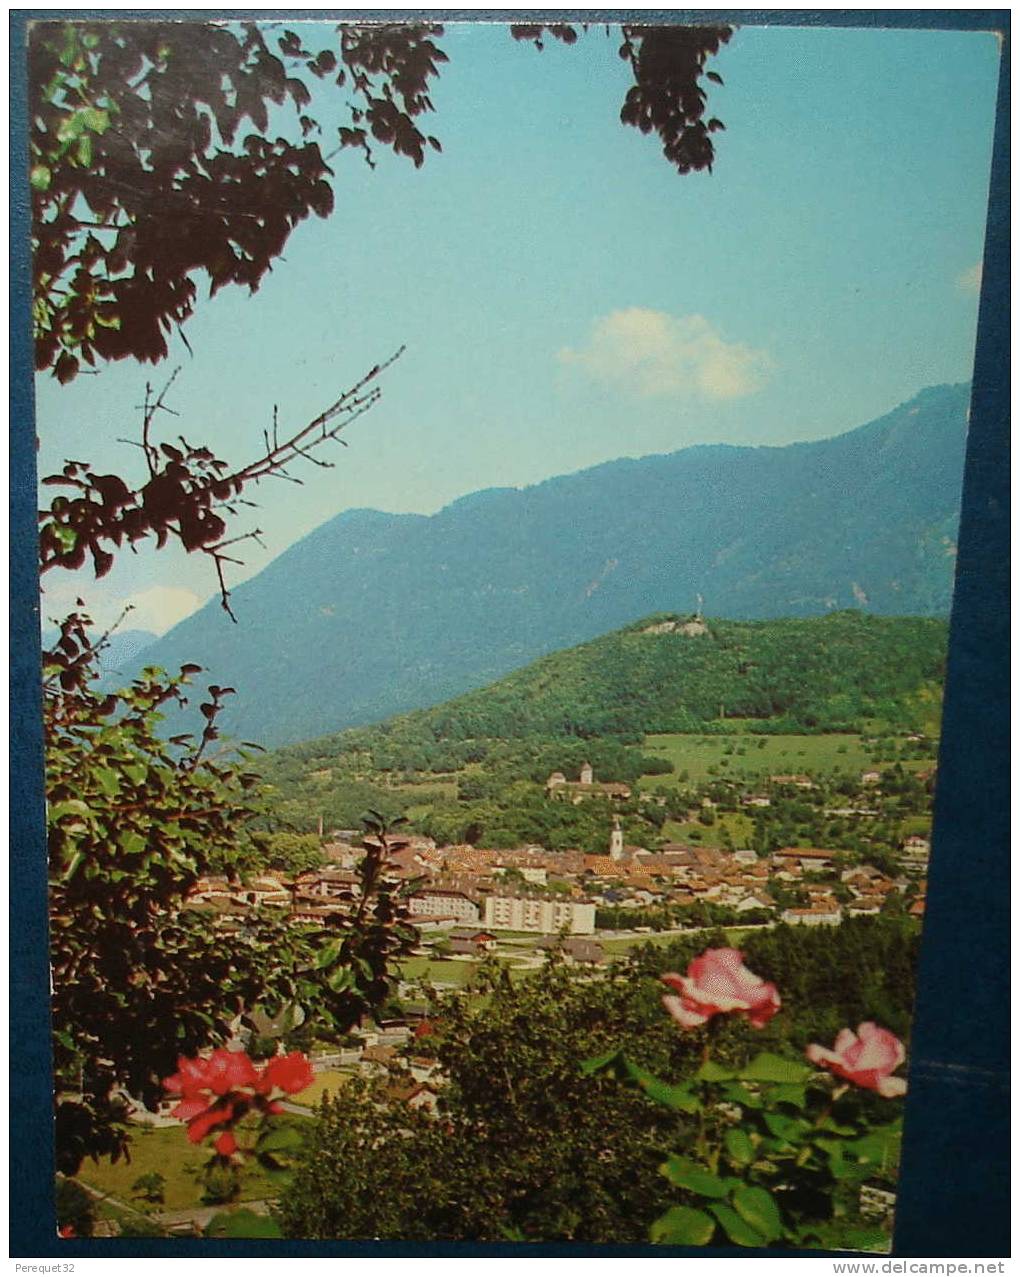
point(736, 824)
point(745, 757)
point(166, 1149)
point(436, 971)
point(329, 1080)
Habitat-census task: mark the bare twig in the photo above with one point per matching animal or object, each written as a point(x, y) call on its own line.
point(184, 490)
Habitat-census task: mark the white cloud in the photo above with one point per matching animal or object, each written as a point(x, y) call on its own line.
point(651, 353)
point(970, 280)
point(160, 607)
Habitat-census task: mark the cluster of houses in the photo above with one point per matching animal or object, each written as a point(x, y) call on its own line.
point(530, 889)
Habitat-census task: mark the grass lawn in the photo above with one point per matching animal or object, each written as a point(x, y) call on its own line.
point(330, 1080)
point(166, 1149)
point(762, 756)
point(436, 971)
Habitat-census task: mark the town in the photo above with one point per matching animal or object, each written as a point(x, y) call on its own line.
point(462, 897)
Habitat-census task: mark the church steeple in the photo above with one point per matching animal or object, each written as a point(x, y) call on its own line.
point(616, 841)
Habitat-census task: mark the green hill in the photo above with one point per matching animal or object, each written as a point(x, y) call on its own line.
point(846, 672)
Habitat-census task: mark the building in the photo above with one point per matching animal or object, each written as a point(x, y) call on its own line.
point(437, 901)
point(576, 791)
point(875, 1202)
point(806, 859)
point(915, 852)
point(527, 913)
point(465, 947)
point(483, 939)
point(530, 873)
point(577, 950)
point(604, 867)
point(760, 901)
point(266, 891)
point(816, 916)
point(415, 1094)
point(865, 907)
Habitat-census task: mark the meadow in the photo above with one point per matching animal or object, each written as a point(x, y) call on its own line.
point(166, 1151)
point(742, 756)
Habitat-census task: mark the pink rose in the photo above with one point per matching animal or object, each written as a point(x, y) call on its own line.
point(218, 1090)
point(291, 1073)
point(206, 1121)
point(718, 983)
point(223, 1071)
point(866, 1058)
point(228, 1071)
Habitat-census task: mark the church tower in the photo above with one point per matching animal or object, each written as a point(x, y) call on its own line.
point(616, 841)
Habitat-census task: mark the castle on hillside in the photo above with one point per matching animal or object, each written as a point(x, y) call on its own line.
point(557, 786)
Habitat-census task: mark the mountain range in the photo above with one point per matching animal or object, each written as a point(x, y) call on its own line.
point(374, 614)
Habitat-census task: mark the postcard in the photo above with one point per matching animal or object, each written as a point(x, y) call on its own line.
point(500, 491)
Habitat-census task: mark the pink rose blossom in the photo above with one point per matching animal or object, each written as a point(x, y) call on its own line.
point(290, 1073)
point(867, 1058)
point(718, 983)
point(218, 1090)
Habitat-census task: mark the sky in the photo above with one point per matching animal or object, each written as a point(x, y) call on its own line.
point(565, 297)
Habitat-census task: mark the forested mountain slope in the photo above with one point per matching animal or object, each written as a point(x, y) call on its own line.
point(373, 614)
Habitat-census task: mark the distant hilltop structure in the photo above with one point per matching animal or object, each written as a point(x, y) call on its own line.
point(693, 627)
point(576, 791)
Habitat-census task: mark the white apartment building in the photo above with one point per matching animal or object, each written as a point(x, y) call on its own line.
point(522, 913)
point(434, 901)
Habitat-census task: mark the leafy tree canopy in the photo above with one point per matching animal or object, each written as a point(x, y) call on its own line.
point(157, 156)
point(140, 976)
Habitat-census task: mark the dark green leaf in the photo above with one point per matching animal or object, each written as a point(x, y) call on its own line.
point(674, 1097)
point(757, 1208)
point(738, 1094)
point(785, 1128)
point(682, 1226)
point(788, 1093)
point(738, 1230)
point(738, 1145)
point(712, 1072)
point(599, 1062)
point(685, 1174)
point(767, 1067)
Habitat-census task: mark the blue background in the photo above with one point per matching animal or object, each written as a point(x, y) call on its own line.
point(953, 1198)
